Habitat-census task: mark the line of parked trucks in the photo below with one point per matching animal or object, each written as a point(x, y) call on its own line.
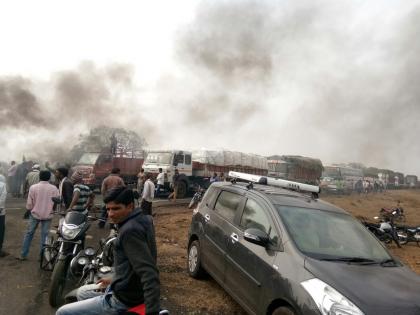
point(197, 167)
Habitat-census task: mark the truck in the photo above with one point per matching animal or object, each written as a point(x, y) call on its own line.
point(295, 168)
point(95, 166)
point(411, 181)
point(341, 179)
point(196, 167)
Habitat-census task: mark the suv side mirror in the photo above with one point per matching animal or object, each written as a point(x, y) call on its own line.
point(256, 236)
point(175, 163)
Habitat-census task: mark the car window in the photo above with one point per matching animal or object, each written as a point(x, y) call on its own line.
point(210, 195)
point(188, 159)
point(179, 158)
point(255, 217)
point(227, 204)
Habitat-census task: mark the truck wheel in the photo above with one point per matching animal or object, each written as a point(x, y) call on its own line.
point(182, 190)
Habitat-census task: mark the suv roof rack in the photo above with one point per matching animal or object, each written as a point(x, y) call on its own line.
point(276, 182)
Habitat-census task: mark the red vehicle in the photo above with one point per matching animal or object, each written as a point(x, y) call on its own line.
point(96, 166)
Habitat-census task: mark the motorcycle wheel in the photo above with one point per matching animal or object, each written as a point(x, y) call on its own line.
point(58, 283)
point(402, 237)
point(49, 254)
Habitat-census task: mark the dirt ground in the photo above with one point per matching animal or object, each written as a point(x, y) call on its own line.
point(24, 288)
point(189, 296)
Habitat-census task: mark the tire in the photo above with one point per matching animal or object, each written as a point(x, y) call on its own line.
point(402, 237)
point(195, 270)
point(182, 190)
point(58, 283)
point(283, 310)
point(48, 254)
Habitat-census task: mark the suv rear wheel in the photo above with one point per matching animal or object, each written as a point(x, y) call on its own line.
point(194, 260)
point(283, 311)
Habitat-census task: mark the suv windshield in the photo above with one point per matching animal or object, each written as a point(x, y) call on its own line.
point(328, 235)
point(159, 158)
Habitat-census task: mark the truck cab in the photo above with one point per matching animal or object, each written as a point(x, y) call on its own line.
point(169, 160)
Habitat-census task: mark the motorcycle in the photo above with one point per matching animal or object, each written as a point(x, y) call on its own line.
point(70, 241)
point(385, 231)
point(197, 197)
point(93, 265)
point(408, 234)
point(397, 213)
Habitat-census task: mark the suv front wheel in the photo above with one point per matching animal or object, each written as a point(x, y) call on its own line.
point(194, 260)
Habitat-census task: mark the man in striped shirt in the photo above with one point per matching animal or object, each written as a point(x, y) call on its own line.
point(82, 195)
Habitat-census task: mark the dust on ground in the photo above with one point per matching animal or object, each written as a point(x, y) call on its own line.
point(185, 295)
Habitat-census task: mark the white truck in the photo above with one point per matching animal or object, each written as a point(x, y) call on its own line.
point(196, 167)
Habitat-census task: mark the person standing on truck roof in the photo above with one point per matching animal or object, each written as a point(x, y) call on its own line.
point(160, 179)
point(111, 181)
point(175, 183)
point(140, 181)
point(82, 195)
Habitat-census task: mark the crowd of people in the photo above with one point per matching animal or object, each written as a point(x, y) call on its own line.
point(136, 277)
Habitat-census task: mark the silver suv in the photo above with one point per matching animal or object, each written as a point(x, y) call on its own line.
point(277, 251)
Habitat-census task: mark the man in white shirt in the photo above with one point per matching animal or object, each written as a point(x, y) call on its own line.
point(3, 194)
point(147, 195)
point(160, 182)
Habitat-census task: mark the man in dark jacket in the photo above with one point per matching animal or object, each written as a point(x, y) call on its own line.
point(65, 186)
point(136, 278)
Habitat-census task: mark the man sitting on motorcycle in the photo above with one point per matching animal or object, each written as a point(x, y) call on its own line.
point(136, 278)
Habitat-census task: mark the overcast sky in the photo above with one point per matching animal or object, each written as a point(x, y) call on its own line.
point(336, 80)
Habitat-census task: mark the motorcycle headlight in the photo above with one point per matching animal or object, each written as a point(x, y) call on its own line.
point(89, 251)
point(70, 231)
point(328, 300)
point(82, 260)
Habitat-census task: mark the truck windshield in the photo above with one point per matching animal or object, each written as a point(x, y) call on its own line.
point(159, 158)
point(88, 158)
point(323, 234)
point(333, 172)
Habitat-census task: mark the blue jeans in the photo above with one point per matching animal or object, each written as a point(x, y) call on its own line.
point(158, 188)
point(106, 304)
point(30, 231)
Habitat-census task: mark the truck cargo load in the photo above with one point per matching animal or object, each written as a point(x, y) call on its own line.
point(196, 167)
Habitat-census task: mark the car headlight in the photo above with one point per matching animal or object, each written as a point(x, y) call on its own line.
point(70, 231)
point(328, 300)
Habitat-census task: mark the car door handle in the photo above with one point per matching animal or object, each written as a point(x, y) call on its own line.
point(207, 217)
point(234, 237)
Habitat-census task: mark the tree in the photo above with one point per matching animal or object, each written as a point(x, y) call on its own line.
point(99, 139)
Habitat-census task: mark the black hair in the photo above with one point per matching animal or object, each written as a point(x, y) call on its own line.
point(120, 194)
point(115, 170)
point(63, 171)
point(44, 175)
point(160, 169)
